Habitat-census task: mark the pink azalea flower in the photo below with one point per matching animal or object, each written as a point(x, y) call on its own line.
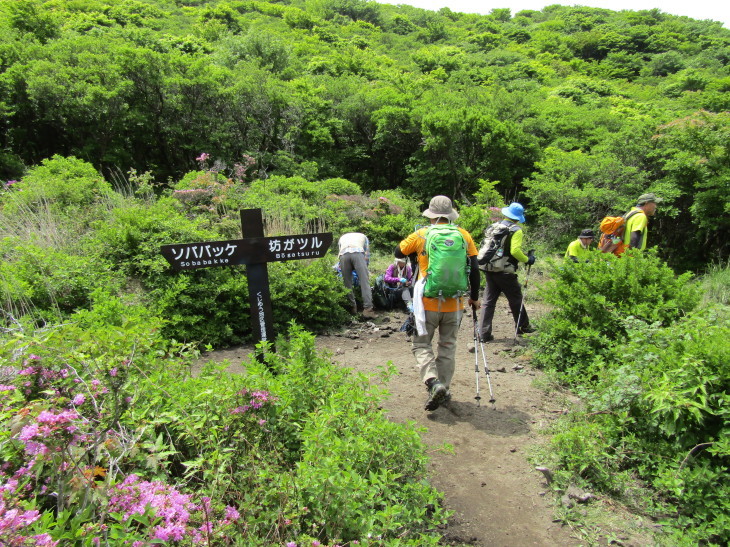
point(232, 513)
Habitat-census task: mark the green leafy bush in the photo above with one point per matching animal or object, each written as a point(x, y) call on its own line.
point(308, 293)
point(296, 449)
point(592, 300)
point(130, 236)
point(67, 185)
point(47, 285)
point(206, 306)
point(652, 431)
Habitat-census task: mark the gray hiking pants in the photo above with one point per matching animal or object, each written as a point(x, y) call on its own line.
point(356, 261)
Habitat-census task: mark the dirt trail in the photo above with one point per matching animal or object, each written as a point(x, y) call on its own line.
point(498, 498)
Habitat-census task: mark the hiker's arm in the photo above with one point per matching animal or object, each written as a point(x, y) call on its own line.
point(635, 240)
point(474, 278)
point(515, 246)
point(389, 277)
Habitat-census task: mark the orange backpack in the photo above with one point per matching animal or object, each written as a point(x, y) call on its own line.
point(612, 233)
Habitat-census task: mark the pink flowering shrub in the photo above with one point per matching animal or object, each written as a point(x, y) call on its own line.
point(15, 523)
point(209, 190)
point(174, 514)
point(109, 439)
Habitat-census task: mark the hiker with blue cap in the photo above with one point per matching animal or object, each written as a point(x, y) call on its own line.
point(498, 258)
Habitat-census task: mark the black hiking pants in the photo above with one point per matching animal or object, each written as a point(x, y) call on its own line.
point(498, 283)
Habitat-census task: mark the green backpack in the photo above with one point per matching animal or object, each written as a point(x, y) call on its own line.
point(447, 275)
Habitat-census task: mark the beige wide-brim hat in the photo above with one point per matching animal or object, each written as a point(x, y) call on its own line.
point(441, 206)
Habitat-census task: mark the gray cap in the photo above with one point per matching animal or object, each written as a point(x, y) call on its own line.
point(440, 206)
point(648, 198)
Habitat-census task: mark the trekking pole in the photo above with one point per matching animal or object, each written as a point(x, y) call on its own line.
point(530, 253)
point(484, 360)
point(476, 355)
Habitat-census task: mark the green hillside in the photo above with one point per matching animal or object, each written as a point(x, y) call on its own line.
point(574, 111)
point(135, 124)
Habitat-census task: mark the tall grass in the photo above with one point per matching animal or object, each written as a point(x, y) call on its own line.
point(39, 225)
point(716, 283)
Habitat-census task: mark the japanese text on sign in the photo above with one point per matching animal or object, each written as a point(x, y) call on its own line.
point(254, 250)
point(294, 247)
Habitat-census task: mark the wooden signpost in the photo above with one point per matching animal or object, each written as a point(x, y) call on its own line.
point(255, 251)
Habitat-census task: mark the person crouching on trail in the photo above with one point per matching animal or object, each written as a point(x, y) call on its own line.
point(501, 275)
point(437, 298)
point(580, 249)
point(398, 278)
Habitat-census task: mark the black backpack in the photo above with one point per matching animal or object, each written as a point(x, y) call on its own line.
point(494, 255)
point(381, 296)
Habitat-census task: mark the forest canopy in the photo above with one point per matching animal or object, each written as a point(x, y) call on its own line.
point(575, 111)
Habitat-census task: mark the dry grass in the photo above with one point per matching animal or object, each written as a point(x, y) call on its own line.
point(276, 224)
point(38, 225)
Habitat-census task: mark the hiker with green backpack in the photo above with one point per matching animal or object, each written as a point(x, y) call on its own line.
point(500, 254)
point(447, 271)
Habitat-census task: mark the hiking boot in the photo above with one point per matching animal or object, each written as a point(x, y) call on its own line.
point(486, 338)
point(369, 313)
point(527, 329)
point(437, 394)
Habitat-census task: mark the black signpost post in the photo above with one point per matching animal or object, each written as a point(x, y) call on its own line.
point(255, 251)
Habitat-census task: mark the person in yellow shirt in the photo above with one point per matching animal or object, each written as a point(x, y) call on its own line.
point(637, 231)
point(443, 314)
point(501, 277)
point(580, 249)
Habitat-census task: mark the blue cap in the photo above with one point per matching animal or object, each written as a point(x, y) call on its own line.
point(515, 211)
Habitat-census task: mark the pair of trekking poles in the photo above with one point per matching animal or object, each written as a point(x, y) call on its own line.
point(478, 340)
point(480, 345)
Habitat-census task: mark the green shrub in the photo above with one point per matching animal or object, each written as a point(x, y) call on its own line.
point(296, 449)
point(308, 293)
point(68, 185)
point(205, 306)
point(47, 285)
point(130, 237)
point(392, 218)
point(335, 205)
point(297, 201)
point(658, 415)
point(592, 301)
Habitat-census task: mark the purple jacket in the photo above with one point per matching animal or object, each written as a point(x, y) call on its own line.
point(392, 275)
